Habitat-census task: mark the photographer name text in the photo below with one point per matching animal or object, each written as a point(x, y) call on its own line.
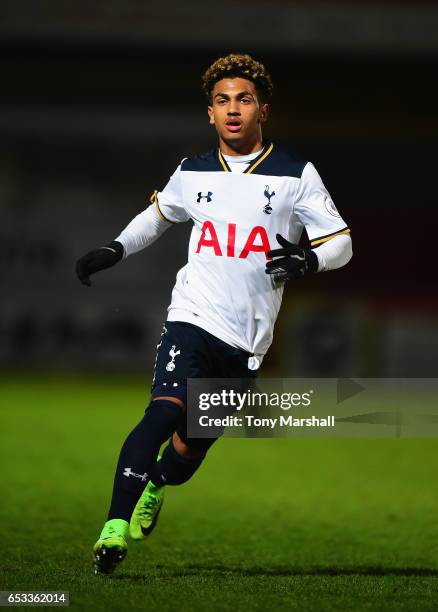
point(271, 422)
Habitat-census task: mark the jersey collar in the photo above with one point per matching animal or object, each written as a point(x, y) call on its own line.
point(255, 162)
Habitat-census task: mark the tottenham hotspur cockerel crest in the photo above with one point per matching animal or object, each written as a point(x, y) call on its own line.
point(173, 353)
point(267, 207)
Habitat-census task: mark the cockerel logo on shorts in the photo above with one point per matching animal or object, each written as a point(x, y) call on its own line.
point(173, 353)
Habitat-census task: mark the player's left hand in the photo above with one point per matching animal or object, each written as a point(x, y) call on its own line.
point(292, 261)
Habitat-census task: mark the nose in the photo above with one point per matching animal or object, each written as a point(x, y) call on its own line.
point(233, 109)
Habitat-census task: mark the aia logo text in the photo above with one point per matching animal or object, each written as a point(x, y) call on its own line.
point(257, 241)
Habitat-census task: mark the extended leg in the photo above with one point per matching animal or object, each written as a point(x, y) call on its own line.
point(139, 453)
point(137, 457)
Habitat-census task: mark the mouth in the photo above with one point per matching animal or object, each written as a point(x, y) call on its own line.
point(233, 125)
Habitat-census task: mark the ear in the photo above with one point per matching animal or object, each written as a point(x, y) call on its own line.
point(211, 115)
point(263, 113)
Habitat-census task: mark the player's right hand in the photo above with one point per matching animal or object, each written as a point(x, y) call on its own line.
point(97, 260)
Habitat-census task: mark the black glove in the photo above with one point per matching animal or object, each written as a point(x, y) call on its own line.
point(293, 261)
point(97, 260)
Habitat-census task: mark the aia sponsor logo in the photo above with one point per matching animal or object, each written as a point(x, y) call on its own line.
point(256, 242)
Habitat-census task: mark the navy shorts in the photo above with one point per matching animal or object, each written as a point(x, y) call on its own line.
point(187, 351)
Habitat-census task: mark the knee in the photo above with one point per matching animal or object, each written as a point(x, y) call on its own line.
point(184, 450)
point(169, 398)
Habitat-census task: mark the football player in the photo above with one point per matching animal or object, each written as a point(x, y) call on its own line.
point(249, 203)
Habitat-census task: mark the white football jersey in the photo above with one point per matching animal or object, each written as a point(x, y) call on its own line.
point(223, 288)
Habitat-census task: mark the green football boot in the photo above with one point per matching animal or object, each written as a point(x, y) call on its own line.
point(146, 512)
point(111, 547)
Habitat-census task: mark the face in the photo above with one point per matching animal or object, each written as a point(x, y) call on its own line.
point(236, 111)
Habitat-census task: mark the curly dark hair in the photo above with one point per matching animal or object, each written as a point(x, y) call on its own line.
point(238, 65)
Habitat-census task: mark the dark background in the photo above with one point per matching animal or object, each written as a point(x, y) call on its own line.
point(100, 102)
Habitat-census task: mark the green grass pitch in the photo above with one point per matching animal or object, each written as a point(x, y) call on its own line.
point(268, 524)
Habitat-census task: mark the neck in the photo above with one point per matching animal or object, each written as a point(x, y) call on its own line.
point(241, 148)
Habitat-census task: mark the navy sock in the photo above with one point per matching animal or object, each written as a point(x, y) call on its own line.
point(139, 454)
point(173, 469)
